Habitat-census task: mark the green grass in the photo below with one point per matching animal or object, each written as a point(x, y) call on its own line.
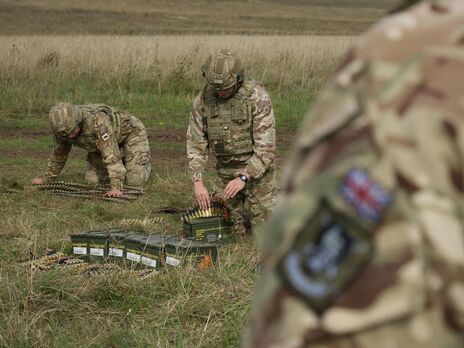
point(179, 307)
point(25, 102)
point(39, 143)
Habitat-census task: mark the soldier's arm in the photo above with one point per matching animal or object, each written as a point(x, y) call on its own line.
point(107, 143)
point(197, 142)
point(57, 160)
point(264, 140)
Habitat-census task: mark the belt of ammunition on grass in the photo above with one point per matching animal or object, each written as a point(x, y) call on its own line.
point(60, 260)
point(82, 191)
point(8, 191)
point(51, 261)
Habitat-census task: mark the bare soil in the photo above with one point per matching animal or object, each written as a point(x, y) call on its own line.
point(171, 158)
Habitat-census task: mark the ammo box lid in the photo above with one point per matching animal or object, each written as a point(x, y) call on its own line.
point(78, 235)
point(154, 239)
point(186, 244)
point(97, 235)
point(137, 238)
point(120, 235)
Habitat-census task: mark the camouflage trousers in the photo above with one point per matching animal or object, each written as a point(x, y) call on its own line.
point(135, 153)
point(252, 205)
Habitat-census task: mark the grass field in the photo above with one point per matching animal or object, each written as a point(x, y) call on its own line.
point(323, 17)
point(86, 51)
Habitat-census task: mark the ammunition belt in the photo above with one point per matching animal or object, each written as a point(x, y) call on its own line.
point(77, 190)
point(218, 209)
point(48, 262)
point(60, 260)
point(8, 191)
point(145, 222)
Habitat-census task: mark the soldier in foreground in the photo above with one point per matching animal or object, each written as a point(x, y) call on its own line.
point(366, 247)
point(233, 117)
point(117, 145)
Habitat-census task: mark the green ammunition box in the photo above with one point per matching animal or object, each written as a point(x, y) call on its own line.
point(152, 251)
point(80, 245)
point(146, 251)
point(181, 251)
point(98, 245)
point(133, 249)
point(210, 229)
point(116, 245)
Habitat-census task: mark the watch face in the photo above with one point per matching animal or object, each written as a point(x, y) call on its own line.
point(244, 178)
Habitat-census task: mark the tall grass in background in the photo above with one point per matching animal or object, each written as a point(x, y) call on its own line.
point(152, 74)
point(281, 62)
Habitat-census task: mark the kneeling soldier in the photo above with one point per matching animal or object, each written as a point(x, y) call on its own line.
point(117, 145)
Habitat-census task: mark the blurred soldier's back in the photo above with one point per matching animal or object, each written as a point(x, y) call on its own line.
point(366, 248)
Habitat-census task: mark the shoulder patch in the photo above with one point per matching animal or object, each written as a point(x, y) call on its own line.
point(327, 254)
point(366, 196)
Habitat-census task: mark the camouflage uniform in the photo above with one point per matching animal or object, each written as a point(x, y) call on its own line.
point(117, 145)
point(366, 247)
point(240, 131)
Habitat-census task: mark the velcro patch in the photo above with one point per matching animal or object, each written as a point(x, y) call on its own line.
point(368, 197)
point(326, 256)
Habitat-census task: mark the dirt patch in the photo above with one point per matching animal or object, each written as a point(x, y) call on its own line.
point(167, 135)
point(12, 133)
point(172, 158)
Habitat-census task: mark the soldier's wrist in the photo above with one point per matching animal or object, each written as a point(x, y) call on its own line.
point(199, 182)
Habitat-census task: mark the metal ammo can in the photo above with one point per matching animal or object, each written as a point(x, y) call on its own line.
point(209, 229)
point(98, 245)
point(116, 244)
point(152, 251)
point(146, 251)
point(80, 245)
point(181, 251)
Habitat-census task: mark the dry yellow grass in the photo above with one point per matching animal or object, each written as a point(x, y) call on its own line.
point(281, 60)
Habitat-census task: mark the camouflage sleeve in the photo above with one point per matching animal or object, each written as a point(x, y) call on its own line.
point(107, 144)
point(197, 142)
point(264, 140)
point(57, 160)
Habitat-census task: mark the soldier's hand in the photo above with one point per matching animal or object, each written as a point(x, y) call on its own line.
point(202, 195)
point(233, 187)
point(37, 181)
point(114, 193)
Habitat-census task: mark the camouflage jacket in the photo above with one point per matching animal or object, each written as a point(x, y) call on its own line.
point(104, 130)
point(370, 226)
point(261, 132)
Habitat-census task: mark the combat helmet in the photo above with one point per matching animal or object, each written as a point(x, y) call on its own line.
point(64, 118)
point(223, 70)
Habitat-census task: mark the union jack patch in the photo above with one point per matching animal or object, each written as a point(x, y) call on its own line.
point(369, 198)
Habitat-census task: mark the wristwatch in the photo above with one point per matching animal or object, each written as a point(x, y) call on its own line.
point(243, 177)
